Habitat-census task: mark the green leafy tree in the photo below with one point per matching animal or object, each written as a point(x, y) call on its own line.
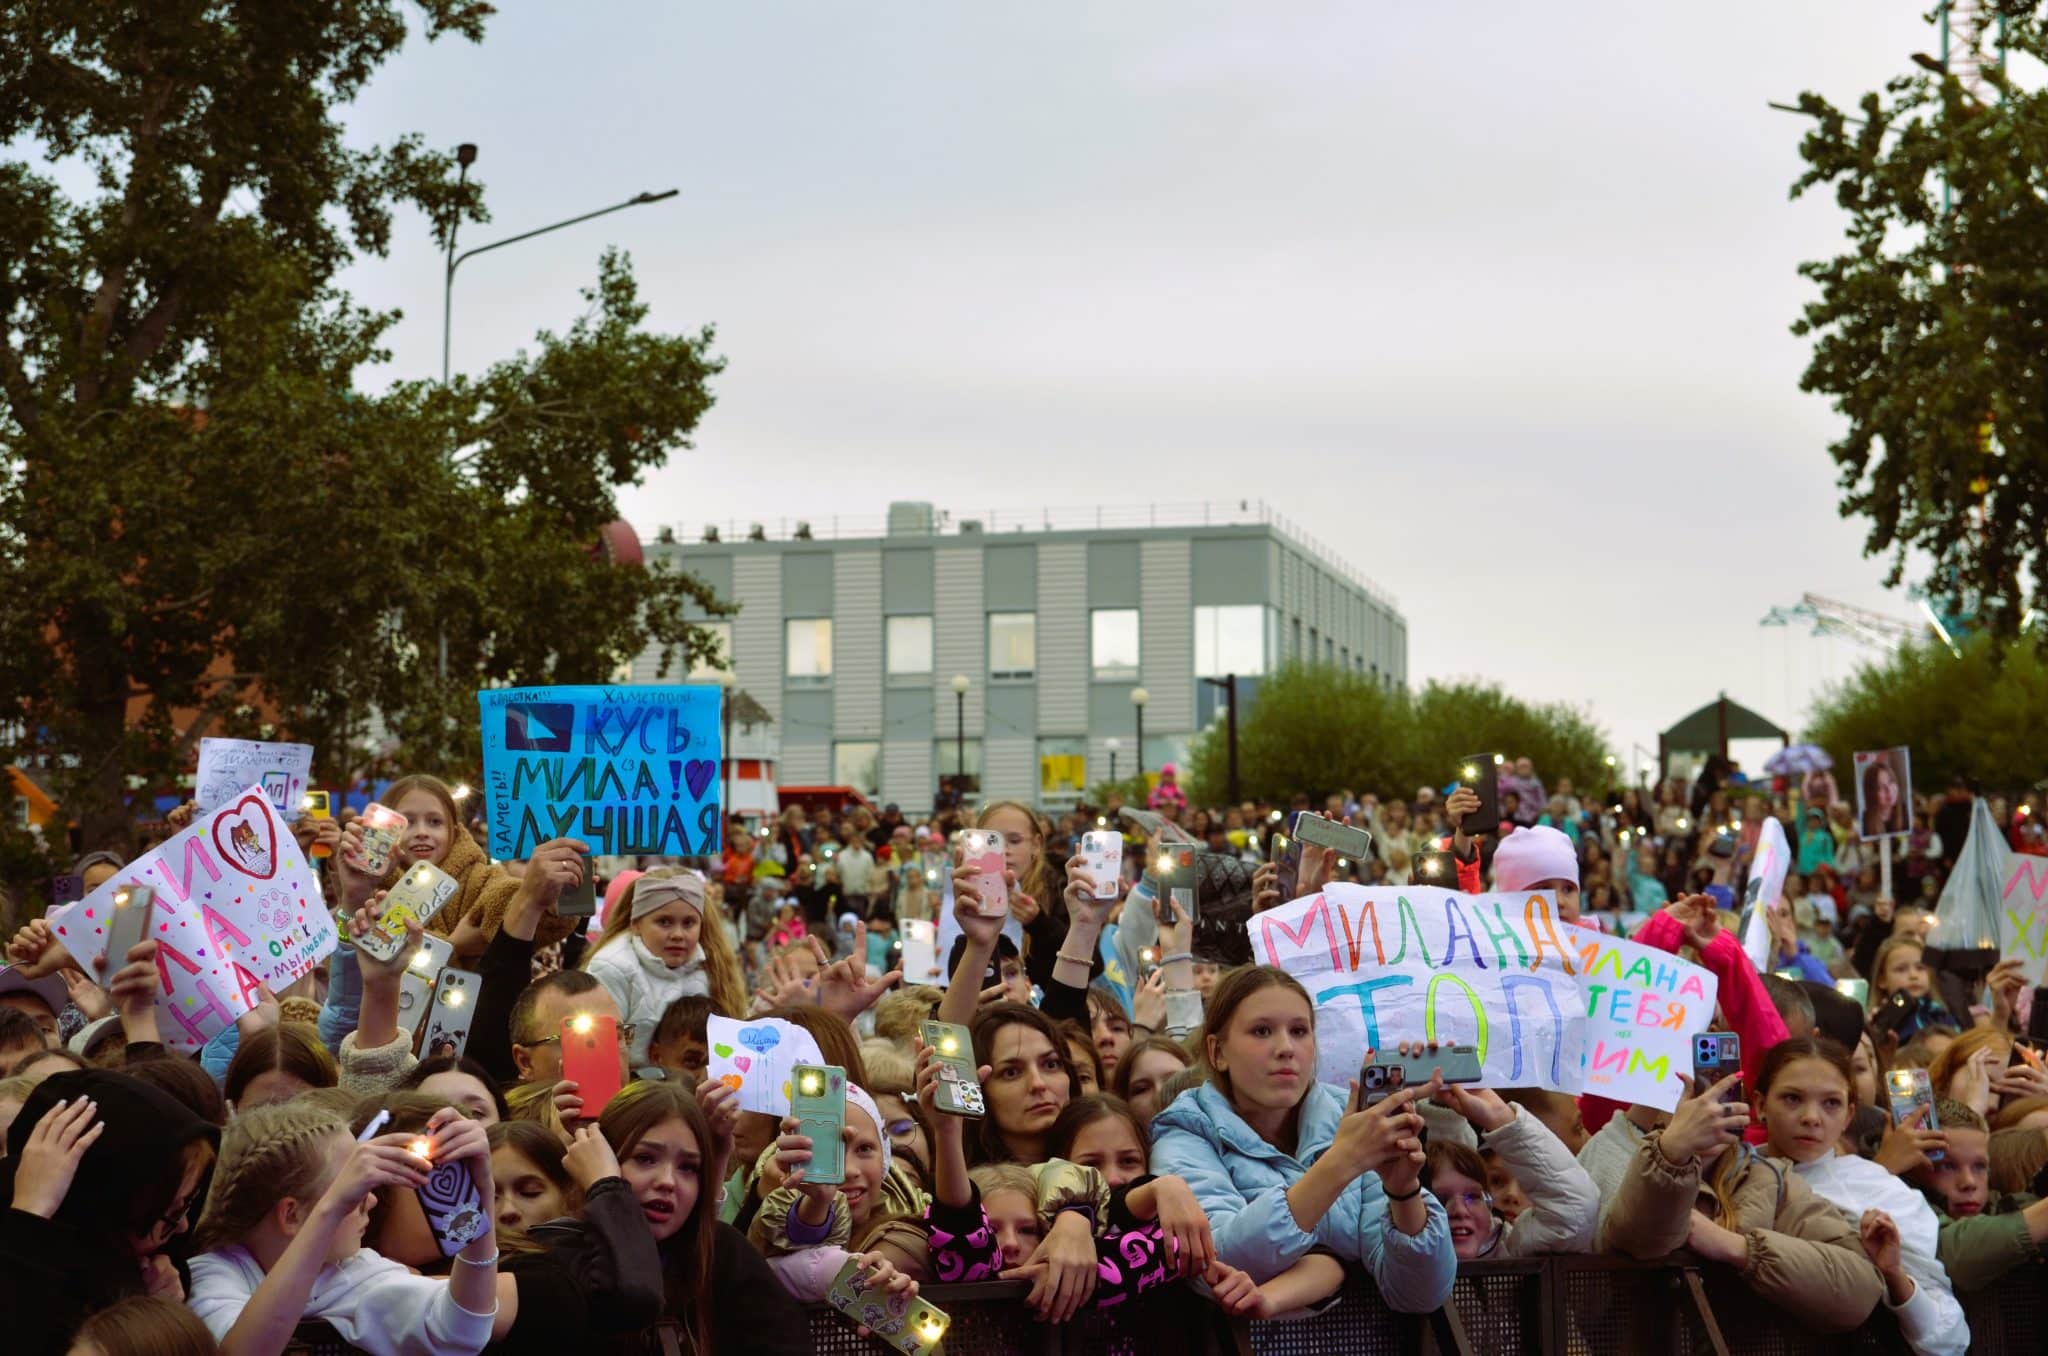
point(205, 526)
point(1929, 329)
point(1977, 715)
point(1315, 729)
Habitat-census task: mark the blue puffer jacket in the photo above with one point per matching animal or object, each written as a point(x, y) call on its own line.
point(1241, 1182)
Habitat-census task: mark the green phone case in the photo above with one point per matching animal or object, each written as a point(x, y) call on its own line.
point(958, 1092)
point(817, 1098)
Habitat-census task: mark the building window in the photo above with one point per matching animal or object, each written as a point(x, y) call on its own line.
point(706, 669)
point(956, 786)
point(807, 656)
point(858, 764)
point(1062, 769)
point(1115, 632)
point(1012, 644)
point(1230, 640)
point(910, 646)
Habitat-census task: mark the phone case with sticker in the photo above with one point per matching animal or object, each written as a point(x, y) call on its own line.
point(958, 1092)
point(454, 1207)
point(914, 1327)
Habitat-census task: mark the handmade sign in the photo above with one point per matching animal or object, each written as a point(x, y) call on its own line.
point(1766, 887)
point(228, 765)
point(1389, 964)
point(236, 906)
point(2024, 902)
point(632, 771)
point(1884, 793)
point(1642, 1007)
point(756, 1057)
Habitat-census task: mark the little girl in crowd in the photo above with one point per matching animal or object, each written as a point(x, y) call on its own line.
point(656, 948)
point(284, 1227)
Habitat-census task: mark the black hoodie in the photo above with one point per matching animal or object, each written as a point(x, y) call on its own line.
point(54, 1273)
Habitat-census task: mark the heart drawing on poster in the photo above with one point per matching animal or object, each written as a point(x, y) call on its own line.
point(245, 839)
point(697, 772)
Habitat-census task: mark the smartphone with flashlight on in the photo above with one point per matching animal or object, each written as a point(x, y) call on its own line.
point(590, 1059)
point(453, 1206)
point(127, 926)
point(817, 1099)
point(317, 805)
point(958, 1092)
point(1177, 872)
point(450, 1013)
point(1481, 772)
point(1102, 860)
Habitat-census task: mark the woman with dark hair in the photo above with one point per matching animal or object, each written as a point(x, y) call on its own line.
point(1283, 1164)
point(1031, 1077)
point(687, 1269)
point(102, 1172)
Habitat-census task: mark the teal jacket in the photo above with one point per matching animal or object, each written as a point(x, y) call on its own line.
point(1242, 1181)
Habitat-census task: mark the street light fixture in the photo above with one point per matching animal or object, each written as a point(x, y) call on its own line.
point(465, 156)
point(727, 680)
point(960, 685)
point(1139, 696)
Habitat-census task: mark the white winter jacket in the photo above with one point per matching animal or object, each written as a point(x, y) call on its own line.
point(643, 985)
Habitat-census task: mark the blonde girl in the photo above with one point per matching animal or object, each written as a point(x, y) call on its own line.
point(1041, 912)
point(283, 1232)
point(662, 943)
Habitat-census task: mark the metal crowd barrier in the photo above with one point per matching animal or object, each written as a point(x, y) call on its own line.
point(1560, 1306)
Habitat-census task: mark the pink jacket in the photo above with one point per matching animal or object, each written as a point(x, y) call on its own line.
point(1744, 1003)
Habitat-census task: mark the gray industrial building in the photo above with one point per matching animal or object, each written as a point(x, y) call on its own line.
point(856, 638)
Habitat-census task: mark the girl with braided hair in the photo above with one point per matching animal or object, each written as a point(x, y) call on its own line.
point(284, 1225)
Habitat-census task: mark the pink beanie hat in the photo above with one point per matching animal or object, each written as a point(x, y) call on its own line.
point(613, 890)
point(1533, 854)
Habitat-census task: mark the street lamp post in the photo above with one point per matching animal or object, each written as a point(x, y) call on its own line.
point(1139, 696)
point(726, 684)
point(960, 686)
point(1229, 685)
point(1112, 744)
point(465, 156)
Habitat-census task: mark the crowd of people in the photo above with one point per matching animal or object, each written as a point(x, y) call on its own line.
point(1153, 1135)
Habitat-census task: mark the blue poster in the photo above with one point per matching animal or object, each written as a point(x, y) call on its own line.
point(632, 771)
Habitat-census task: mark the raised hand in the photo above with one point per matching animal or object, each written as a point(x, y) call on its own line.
point(88, 997)
point(590, 1158)
point(1910, 1144)
point(1698, 916)
point(1703, 1124)
point(1148, 1002)
point(979, 929)
point(50, 1158)
point(1266, 887)
point(844, 986)
point(34, 950)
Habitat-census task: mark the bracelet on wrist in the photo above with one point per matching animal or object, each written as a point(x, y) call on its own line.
point(1177, 956)
point(490, 1261)
point(1417, 1191)
point(1085, 962)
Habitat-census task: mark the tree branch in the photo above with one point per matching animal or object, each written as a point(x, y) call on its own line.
point(21, 396)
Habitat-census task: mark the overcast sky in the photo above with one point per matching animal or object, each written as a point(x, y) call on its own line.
point(1491, 298)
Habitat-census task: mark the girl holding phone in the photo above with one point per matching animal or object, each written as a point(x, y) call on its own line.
point(1287, 1164)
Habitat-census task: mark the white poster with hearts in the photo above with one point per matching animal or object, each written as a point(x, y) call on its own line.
point(237, 905)
point(755, 1058)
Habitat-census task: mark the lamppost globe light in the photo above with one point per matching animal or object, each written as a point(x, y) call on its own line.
point(961, 684)
point(726, 678)
point(1112, 743)
point(1139, 696)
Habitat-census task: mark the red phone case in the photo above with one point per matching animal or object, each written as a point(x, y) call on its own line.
point(590, 1060)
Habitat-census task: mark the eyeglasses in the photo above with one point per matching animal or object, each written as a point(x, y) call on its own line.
point(626, 1031)
point(1479, 1202)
